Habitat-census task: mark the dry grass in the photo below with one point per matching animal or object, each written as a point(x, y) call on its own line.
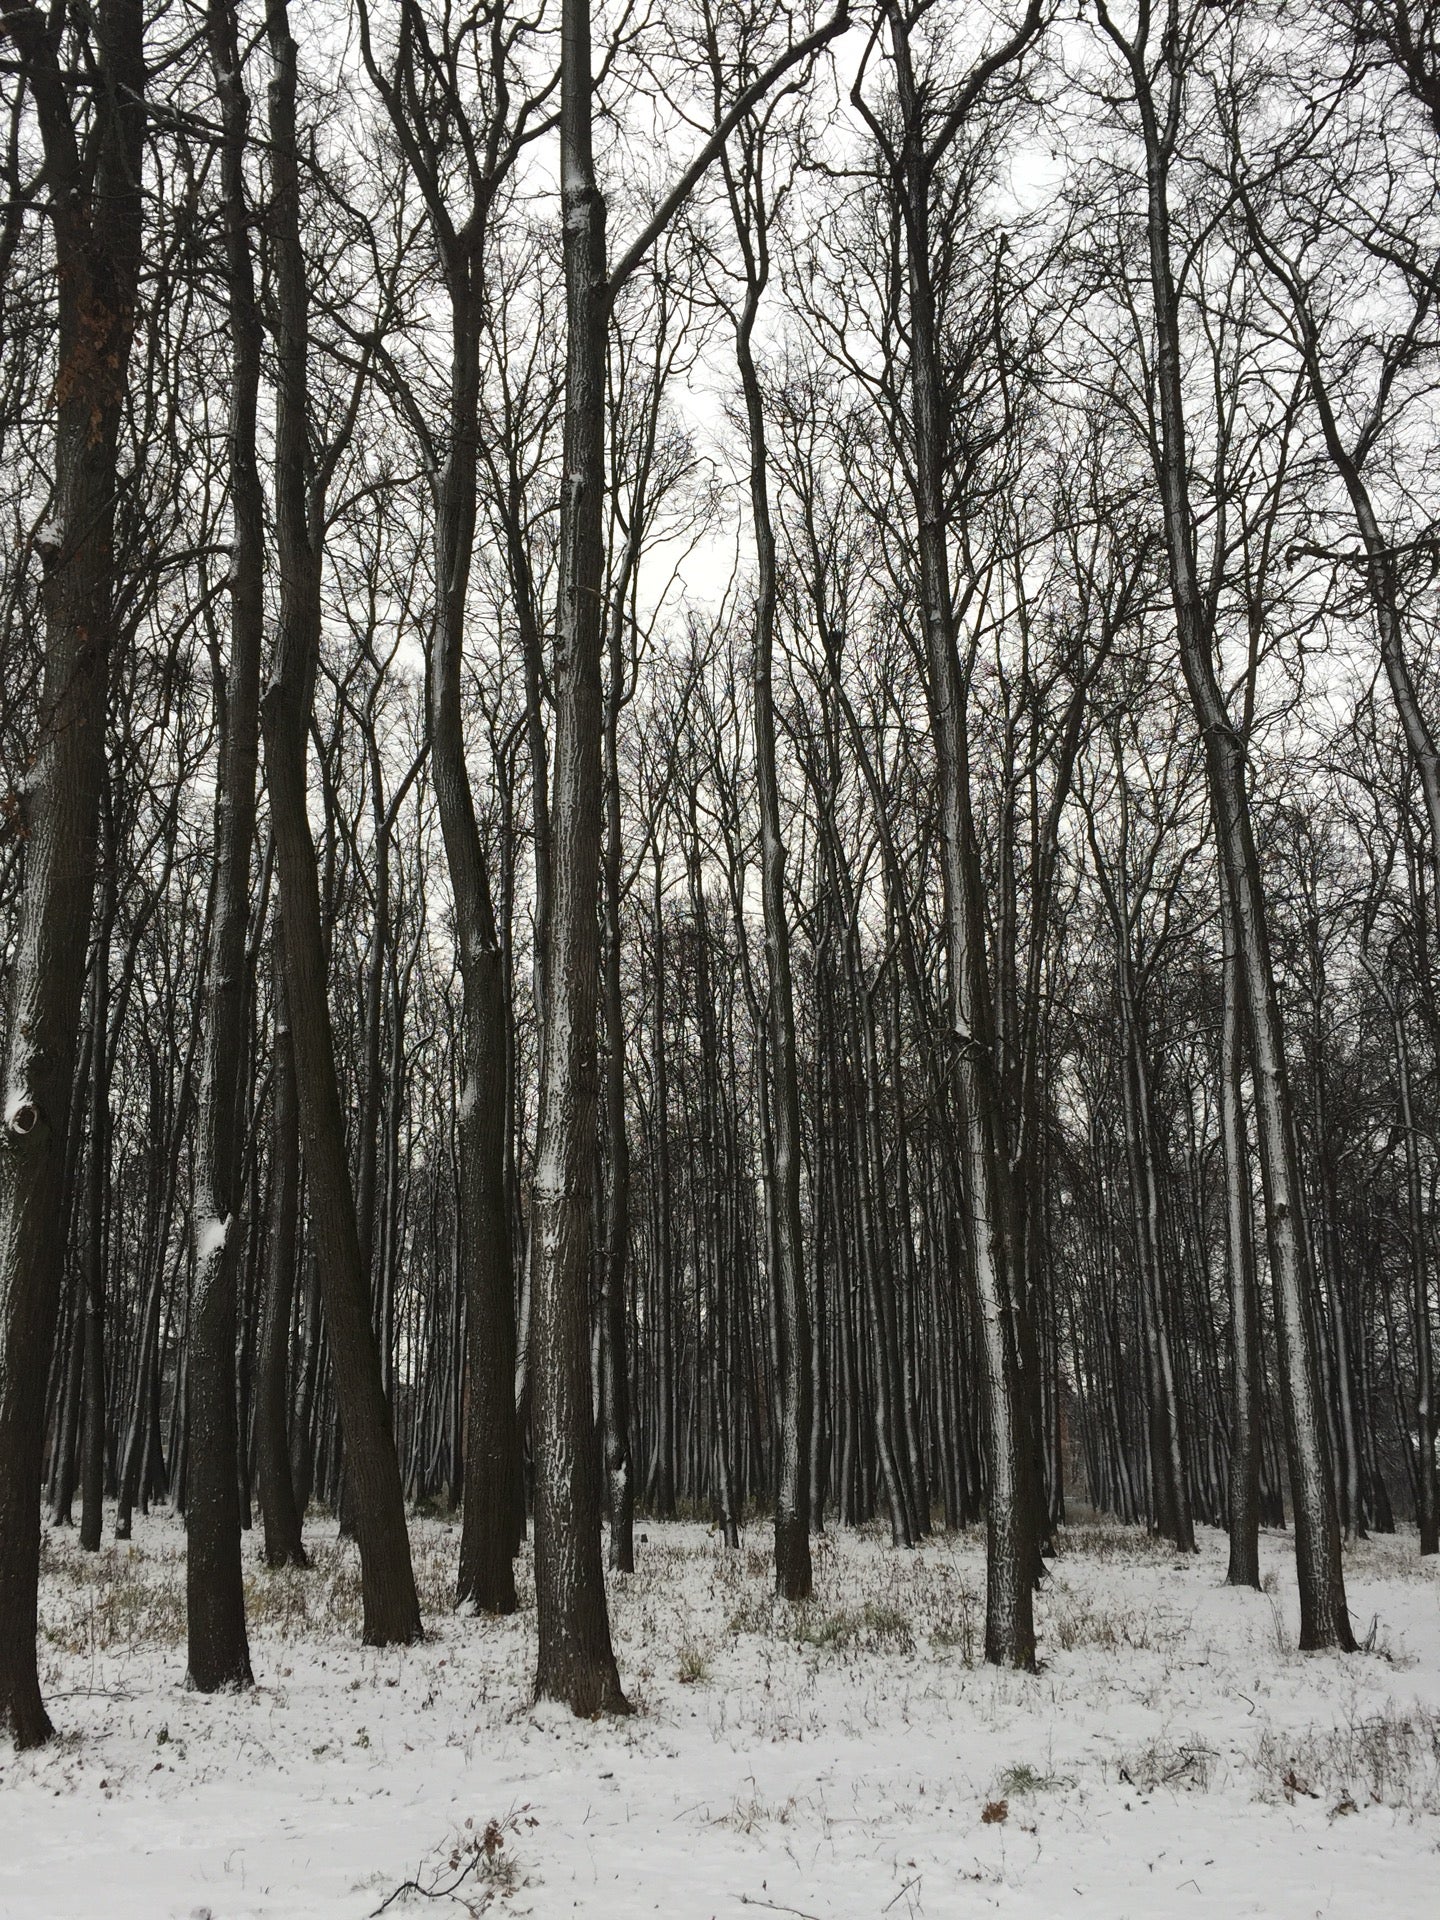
point(1385, 1759)
point(1113, 1616)
point(1073, 1620)
point(126, 1597)
point(1190, 1762)
point(1107, 1540)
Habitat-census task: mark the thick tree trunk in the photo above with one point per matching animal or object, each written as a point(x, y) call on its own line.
point(219, 1653)
point(576, 1661)
point(96, 210)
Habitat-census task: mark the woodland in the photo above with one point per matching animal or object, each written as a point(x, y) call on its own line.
point(719, 809)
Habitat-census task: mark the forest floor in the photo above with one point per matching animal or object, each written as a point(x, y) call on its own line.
point(1174, 1755)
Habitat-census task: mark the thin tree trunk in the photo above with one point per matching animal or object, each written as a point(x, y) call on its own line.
point(391, 1608)
point(1244, 1504)
point(615, 1377)
point(97, 1183)
point(793, 1576)
point(1011, 1523)
point(1427, 1499)
point(284, 1545)
point(1324, 1618)
point(664, 1285)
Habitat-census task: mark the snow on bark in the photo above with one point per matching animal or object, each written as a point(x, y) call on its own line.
point(210, 1238)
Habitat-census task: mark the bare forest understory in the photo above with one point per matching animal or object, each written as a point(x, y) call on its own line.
point(850, 1757)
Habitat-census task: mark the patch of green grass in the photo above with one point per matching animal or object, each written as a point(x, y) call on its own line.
point(1017, 1781)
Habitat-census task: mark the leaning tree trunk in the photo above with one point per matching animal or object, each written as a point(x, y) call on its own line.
point(96, 219)
point(1324, 1618)
point(390, 1605)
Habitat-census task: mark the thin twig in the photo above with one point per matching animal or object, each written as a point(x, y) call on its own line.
point(900, 1896)
point(428, 1893)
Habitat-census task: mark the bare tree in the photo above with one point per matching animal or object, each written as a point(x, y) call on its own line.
point(1157, 72)
point(93, 193)
point(391, 1608)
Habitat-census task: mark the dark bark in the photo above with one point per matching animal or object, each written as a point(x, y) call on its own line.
point(1427, 1498)
point(97, 1182)
point(615, 1252)
point(794, 1386)
point(576, 1662)
point(664, 1483)
point(218, 1645)
point(1012, 1518)
point(284, 1545)
point(1244, 1492)
point(96, 214)
point(391, 1608)
point(492, 1465)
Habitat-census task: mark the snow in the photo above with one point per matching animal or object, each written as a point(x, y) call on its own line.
point(210, 1238)
point(1174, 1755)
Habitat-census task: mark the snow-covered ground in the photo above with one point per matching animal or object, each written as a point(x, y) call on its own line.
point(1173, 1756)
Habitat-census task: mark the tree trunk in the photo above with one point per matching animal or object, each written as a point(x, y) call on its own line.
point(1324, 1619)
point(284, 1545)
point(1427, 1501)
point(664, 1495)
point(1011, 1522)
point(219, 1653)
point(97, 1184)
point(576, 1661)
point(793, 1577)
point(488, 1535)
point(1244, 1503)
point(96, 211)
point(391, 1608)
point(615, 1375)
